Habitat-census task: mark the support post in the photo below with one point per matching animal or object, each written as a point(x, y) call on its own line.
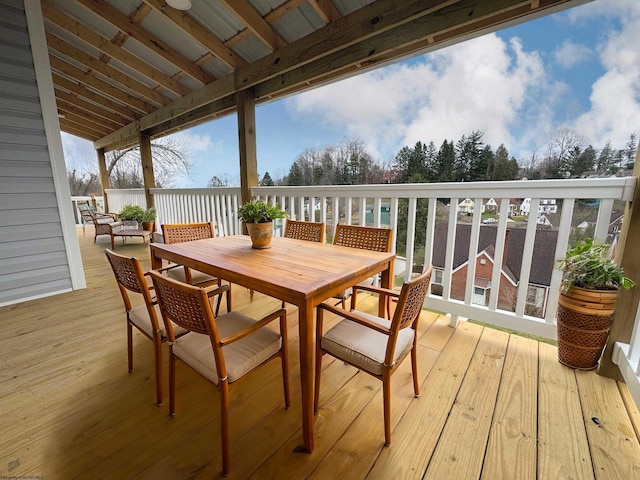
point(627, 304)
point(104, 177)
point(147, 168)
point(245, 101)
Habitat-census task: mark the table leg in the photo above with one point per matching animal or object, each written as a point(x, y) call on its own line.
point(386, 281)
point(156, 262)
point(305, 326)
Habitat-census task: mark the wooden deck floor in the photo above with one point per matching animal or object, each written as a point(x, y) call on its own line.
point(493, 405)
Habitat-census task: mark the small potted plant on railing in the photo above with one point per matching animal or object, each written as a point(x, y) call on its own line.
point(258, 216)
point(590, 283)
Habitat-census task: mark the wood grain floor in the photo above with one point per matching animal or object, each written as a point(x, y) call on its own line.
point(492, 405)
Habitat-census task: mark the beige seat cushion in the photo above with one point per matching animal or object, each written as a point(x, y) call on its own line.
point(240, 357)
point(364, 347)
point(139, 316)
point(196, 276)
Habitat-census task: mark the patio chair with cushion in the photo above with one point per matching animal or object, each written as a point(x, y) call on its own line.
point(104, 223)
point(367, 238)
point(188, 232)
point(145, 317)
point(373, 344)
point(222, 349)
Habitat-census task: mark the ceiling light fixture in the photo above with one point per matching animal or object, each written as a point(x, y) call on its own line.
point(179, 4)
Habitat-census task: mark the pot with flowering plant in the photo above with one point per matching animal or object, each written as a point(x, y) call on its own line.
point(590, 284)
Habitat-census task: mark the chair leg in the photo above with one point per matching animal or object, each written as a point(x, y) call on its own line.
point(130, 346)
point(224, 425)
point(172, 383)
point(414, 369)
point(284, 354)
point(316, 391)
point(158, 352)
point(386, 399)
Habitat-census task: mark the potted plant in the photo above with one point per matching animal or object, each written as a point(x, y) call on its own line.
point(588, 295)
point(135, 215)
point(258, 216)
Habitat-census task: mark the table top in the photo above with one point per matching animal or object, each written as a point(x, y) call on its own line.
point(131, 232)
point(292, 270)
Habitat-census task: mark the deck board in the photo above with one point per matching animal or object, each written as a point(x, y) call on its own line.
point(70, 409)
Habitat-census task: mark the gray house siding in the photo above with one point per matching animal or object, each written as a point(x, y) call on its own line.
point(33, 256)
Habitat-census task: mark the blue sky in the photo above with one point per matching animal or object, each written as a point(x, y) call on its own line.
point(578, 69)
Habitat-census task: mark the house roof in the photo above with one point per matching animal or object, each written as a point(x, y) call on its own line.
point(543, 251)
point(121, 67)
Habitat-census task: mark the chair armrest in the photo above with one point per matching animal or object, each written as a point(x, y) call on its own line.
point(212, 290)
point(355, 316)
point(253, 328)
point(379, 290)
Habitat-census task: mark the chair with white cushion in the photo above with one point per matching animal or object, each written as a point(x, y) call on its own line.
point(373, 344)
point(144, 317)
point(222, 349)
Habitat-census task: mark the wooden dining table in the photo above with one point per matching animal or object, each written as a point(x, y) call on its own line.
point(299, 272)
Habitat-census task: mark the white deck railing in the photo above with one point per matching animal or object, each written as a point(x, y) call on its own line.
point(380, 205)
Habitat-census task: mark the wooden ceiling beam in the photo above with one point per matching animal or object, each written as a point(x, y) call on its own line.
point(69, 107)
point(83, 92)
point(77, 130)
point(153, 43)
point(255, 23)
point(91, 107)
point(96, 65)
point(105, 88)
point(86, 125)
point(326, 10)
point(198, 33)
point(56, 16)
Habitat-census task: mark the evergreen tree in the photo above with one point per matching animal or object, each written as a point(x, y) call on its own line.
point(266, 181)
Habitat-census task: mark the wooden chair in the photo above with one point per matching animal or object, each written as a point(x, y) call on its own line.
point(104, 223)
point(145, 318)
point(222, 349)
point(373, 344)
point(311, 231)
point(188, 232)
point(367, 238)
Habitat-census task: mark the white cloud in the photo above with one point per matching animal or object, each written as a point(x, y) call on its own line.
point(570, 54)
point(476, 85)
point(615, 96)
point(194, 142)
point(78, 153)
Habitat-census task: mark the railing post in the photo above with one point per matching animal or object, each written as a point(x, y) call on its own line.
point(104, 177)
point(246, 104)
point(627, 304)
point(147, 168)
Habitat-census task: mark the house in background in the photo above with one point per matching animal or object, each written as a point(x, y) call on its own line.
point(546, 205)
point(539, 278)
point(466, 207)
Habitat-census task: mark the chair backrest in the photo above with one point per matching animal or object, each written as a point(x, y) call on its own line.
point(186, 232)
point(188, 307)
point(411, 299)
point(130, 278)
point(366, 238)
point(312, 231)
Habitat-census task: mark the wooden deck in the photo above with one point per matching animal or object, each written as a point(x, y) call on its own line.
point(493, 405)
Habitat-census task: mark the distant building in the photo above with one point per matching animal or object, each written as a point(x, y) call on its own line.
point(546, 205)
point(539, 277)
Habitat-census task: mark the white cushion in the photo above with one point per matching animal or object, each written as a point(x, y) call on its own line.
point(103, 220)
point(364, 347)
point(240, 357)
point(139, 316)
point(196, 276)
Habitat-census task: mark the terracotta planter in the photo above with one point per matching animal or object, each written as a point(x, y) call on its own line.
point(150, 226)
point(584, 318)
point(260, 234)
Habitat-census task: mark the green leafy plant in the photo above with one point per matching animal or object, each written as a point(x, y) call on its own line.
point(137, 213)
point(589, 265)
point(259, 211)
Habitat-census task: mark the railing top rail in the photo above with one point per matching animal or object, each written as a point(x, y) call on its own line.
point(195, 191)
point(616, 188)
point(125, 190)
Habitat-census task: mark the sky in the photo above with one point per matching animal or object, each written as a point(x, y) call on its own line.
point(578, 69)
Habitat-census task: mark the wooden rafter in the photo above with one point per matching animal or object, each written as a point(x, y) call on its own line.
point(94, 39)
point(153, 43)
point(86, 78)
point(95, 64)
point(254, 22)
point(72, 86)
point(196, 31)
point(71, 107)
point(77, 130)
point(326, 10)
point(91, 108)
